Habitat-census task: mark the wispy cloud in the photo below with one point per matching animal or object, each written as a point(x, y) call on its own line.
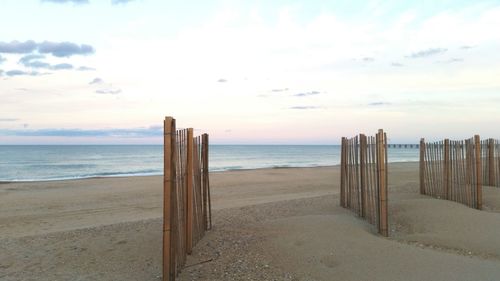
point(279, 90)
point(85, 68)
point(64, 49)
point(2, 59)
point(33, 62)
point(57, 49)
point(108, 91)
point(397, 64)
point(368, 59)
point(8, 119)
point(17, 72)
point(152, 131)
point(306, 94)
point(67, 1)
point(302, 107)
point(379, 103)
point(467, 47)
point(96, 80)
point(17, 47)
point(117, 2)
point(427, 53)
point(452, 60)
point(222, 80)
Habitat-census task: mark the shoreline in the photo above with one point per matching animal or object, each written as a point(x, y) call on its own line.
point(3, 182)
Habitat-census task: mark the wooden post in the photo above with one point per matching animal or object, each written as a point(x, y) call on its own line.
point(382, 184)
point(491, 162)
point(422, 166)
point(362, 162)
point(446, 167)
point(479, 177)
point(342, 171)
point(169, 139)
point(189, 192)
point(205, 179)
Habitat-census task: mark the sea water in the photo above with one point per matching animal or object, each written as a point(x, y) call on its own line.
point(58, 162)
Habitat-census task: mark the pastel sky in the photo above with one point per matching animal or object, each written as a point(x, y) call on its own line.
point(255, 72)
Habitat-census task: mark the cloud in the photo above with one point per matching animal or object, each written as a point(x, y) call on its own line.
point(62, 66)
point(1, 73)
point(304, 107)
point(117, 2)
point(222, 80)
point(452, 60)
point(17, 72)
point(152, 131)
point(397, 64)
point(109, 91)
point(2, 59)
point(67, 1)
point(96, 80)
point(368, 59)
point(379, 103)
point(16, 47)
point(31, 61)
point(305, 94)
point(279, 90)
point(8, 119)
point(427, 53)
point(466, 47)
point(64, 49)
point(85, 68)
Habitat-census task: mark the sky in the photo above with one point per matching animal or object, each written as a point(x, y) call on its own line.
point(247, 72)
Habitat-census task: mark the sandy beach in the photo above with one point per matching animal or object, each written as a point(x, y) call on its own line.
point(269, 224)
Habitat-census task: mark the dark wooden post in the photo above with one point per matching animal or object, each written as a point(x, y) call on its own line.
point(479, 174)
point(446, 167)
point(206, 200)
point(169, 139)
point(382, 184)
point(343, 151)
point(189, 192)
point(362, 163)
point(422, 166)
point(491, 162)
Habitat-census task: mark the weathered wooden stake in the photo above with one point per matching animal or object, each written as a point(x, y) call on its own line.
point(383, 223)
point(446, 167)
point(189, 193)
point(422, 166)
point(362, 162)
point(168, 186)
point(479, 177)
point(343, 151)
point(491, 162)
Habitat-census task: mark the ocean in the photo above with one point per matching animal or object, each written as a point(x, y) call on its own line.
point(60, 162)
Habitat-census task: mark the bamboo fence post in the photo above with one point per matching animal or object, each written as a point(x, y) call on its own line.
point(446, 167)
point(169, 139)
point(342, 171)
point(491, 162)
point(189, 193)
point(422, 165)
point(362, 162)
point(382, 183)
point(479, 187)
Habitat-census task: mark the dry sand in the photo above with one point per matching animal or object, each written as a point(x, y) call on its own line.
point(269, 224)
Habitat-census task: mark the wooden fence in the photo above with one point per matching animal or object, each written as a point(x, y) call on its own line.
point(363, 180)
point(490, 153)
point(186, 206)
point(452, 170)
